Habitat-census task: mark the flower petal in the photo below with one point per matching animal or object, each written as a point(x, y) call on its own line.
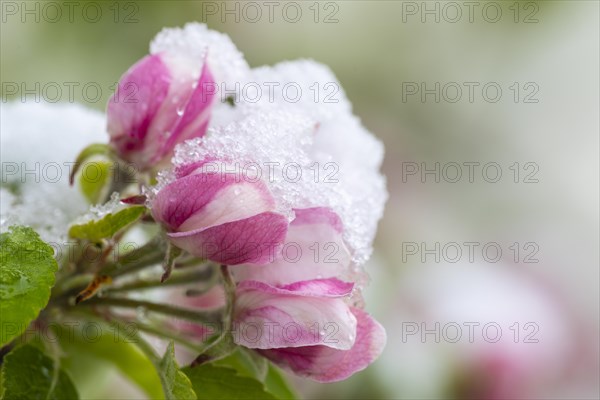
point(195, 115)
point(163, 133)
point(326, 364)
point(141, 91)
point(251, 240)
point(319, 216)
point(269, 317)
point(313, 249)
point(204, 200)
point(331, 287)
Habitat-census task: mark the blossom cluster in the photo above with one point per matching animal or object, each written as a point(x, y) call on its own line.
point(244, 218)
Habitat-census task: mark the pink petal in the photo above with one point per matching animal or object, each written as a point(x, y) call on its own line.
point(196, 112)
point(313, 249)
point(326, 364)
point(250, 240)
point(185, 103)
point(161, 102)
point(267, 317)
point(205, 200)
point(182, 198)
point(233, 202)
point(318, 215)
point(141, 91)
point(331, 287)
point(195, 167)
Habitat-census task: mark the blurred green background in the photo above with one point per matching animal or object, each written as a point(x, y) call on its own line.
point(376, 48)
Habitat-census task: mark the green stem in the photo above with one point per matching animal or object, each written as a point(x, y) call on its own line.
point(224, 345)
point(132, 335)
point(207, 275)
point(150, 254)
point(229, 286)
point(154, 331)
point(167, 335)
point(209, 317)
point(169, 262)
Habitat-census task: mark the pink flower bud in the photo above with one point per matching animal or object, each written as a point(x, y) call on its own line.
point(301, 314)
point(327, 364)
point(298, 313)
point(160, 101)
point(221, 216)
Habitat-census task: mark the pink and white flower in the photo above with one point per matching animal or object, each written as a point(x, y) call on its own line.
point(298, 299)
point(299, 314)
point(327, 364)
point(161, 101)
point(170, 96)
point(313, 249)
point(221, 216)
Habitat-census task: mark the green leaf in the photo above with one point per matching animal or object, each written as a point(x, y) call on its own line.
point(93, 179)
point(27, 373)
point(276, 384)
point(176, 384)
point(27, 272)
point(113, 347)
point(245, 363)
point(250, 364)
point(106, 227)
point(214, 382)
point(1, 384)
point(89, 151)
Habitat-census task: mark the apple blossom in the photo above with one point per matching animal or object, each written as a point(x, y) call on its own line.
point(298, 314)
point(219, 215)
point(168, 96)
point(231, 194)
point(167, 107)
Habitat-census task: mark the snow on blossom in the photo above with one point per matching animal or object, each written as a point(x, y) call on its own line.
point(35, 181)
point(195, 40)
point(339, 140)
point(311, 155)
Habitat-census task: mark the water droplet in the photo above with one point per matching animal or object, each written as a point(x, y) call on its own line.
point(13, 284)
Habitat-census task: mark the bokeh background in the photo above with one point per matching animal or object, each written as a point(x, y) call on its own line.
point(545, 58)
